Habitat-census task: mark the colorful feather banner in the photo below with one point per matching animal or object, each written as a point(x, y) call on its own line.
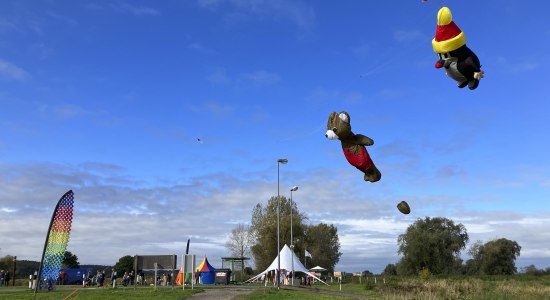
point(56, 242)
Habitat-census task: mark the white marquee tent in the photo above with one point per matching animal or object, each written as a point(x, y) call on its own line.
point(286, 264)
point(318, 269)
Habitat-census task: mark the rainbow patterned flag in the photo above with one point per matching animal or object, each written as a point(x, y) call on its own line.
point(56, 241)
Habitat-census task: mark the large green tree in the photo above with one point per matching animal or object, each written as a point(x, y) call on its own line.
point(390, 270)
point(496, 257)
point(70, 261)
point(264, 230)
point(471, 267)
point(324, 245)
point(124, 264)
point(433, 244)
point(6, 263)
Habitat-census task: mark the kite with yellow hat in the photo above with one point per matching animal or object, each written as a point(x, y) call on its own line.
point(459, 61)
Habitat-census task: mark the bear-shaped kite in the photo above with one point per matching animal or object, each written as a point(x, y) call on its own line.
point(339, 127)
point(459, 61)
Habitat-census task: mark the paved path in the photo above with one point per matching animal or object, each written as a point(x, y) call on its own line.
point(229, 292)
point(222, 293)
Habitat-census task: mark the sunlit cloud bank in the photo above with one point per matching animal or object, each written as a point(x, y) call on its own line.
point(116, 215)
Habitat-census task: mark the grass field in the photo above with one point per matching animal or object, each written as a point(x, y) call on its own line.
point(457, 287)
point(103, 294)
point(454, 287)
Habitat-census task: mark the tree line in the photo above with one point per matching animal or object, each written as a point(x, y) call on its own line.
point(259, 240)
point(24, 268)
point(431, 245)
point(434, 245)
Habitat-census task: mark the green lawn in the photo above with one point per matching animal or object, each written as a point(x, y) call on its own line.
point(161, 293)
point(454, 287)
point(103, 294)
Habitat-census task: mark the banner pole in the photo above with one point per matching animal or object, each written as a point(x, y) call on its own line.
point(46, 242)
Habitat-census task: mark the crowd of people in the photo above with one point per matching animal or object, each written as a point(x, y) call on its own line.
point(90, 280)
point(127, 279)
point(5, 278)
point(285, 279)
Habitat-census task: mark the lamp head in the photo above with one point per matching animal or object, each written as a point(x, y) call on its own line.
point(294, 189)
point(282, 160)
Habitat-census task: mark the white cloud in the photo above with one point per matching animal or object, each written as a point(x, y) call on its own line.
point(69, 111)
point(362, 51)
point(11, 71)
point(7, 25)
point(124, 7)
point(295, 12)
point(201, 48)
point(449, 171)
point(20, 127)
point(215, 108)
point(258, 78)
point(393, 93)
point(219, 77)
point(323, 95)
point(160, 218)
point(261, 77)
point(62, 18)
point(519, 65)
point(407, 36)
point(524, 66)
point(209, 3)
point(93, 6)
point(137, 10)
point(41, 50)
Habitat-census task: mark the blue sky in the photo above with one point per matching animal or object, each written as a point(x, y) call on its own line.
point(109, 98)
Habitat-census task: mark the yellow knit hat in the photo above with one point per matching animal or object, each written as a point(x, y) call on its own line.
point(448, 36)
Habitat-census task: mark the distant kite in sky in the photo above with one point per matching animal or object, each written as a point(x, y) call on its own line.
point(460, 63)
point(353, 145)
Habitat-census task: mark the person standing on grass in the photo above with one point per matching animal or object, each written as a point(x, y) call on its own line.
point(125, 279)
point(113, 278)
point(102, 279)
point(132, 277)
point(7, 278)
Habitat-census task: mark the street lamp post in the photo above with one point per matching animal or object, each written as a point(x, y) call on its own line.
point(293, 189)
point(279, 161)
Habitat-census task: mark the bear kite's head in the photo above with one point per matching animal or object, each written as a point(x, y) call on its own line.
point(338, 126)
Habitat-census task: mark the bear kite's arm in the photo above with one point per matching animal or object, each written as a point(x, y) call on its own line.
point(363, 140)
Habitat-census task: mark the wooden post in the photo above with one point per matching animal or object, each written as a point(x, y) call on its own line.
point(156, 268)
point(14, 269)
